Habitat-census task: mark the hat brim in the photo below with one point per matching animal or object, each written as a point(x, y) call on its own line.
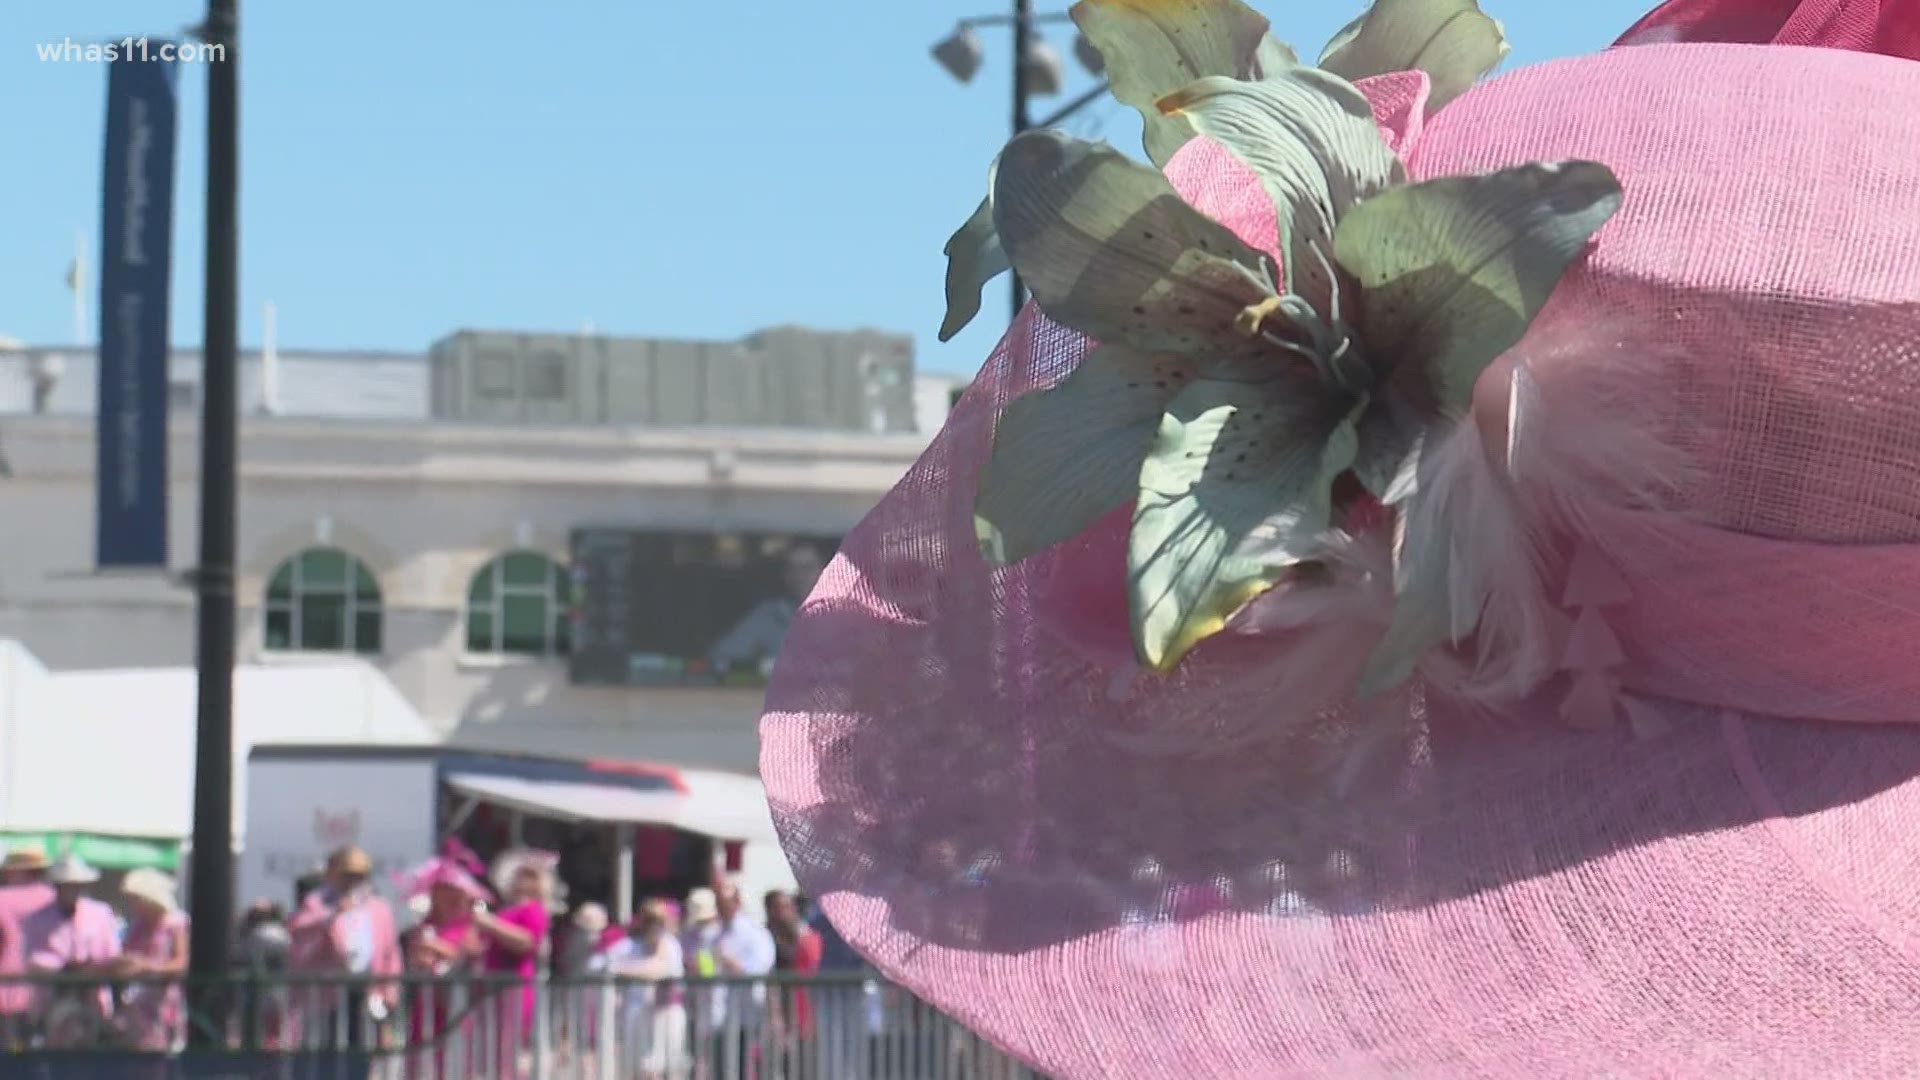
point(1708, 891)
point(1657, 907)
point(164, 901)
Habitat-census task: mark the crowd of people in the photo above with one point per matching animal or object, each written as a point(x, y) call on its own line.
point(447, 978)
point(124, 964)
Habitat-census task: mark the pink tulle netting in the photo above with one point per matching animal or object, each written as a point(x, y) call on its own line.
point(1191, 876)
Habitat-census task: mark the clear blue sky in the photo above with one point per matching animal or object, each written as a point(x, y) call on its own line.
point(693, 169)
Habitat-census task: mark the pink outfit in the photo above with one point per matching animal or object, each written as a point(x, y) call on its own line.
point(320, 937)
point(154, 1015)
point(321, 944)
point(533, 917)
point(26, 905)
point(89, 936)
point(15, 996)
point(427, 1017)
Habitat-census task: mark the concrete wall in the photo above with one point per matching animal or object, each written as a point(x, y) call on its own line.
point(426, 506)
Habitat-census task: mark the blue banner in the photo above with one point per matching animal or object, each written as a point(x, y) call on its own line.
point(136, 256)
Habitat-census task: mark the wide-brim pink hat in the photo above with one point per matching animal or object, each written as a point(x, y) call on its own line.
point(1212, 873)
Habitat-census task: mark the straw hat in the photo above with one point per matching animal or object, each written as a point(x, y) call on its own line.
point(702, 906)
point(24, 857)
point(156, 888)
point(1647, 804)
point(349, 861)
point(72, 870)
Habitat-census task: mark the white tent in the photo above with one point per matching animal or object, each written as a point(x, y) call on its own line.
point(721, 805)
point(111, 753)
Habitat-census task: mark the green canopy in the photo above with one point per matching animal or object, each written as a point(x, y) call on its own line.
point(103, 852)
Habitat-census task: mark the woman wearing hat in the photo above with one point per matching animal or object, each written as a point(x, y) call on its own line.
point(515, 939)
point(154, 953)
point(1472, 531)
point(445, 946)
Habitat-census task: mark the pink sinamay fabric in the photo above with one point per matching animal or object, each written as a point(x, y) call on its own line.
point(1891, 27)
point(1006, 821)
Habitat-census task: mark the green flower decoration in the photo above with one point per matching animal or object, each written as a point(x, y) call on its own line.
point(1155, 47)
point(1226, 400)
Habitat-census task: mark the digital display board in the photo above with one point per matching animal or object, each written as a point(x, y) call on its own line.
point(658, 608)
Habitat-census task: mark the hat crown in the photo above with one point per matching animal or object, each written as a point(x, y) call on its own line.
point(1781, 365)
point(73, 870)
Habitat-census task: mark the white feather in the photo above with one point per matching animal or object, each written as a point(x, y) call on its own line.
point(1472, 517)
point(1588, 426)
point(1594, 422)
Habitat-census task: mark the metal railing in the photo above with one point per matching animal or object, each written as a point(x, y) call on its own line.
point(826, 1027)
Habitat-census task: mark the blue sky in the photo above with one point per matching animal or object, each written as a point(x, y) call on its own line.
point(694, 169)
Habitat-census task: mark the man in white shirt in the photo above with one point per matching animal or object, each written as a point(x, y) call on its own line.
point(742, 949)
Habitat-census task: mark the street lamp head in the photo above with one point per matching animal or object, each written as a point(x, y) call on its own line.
point(1088, 55)
point(1046, 71)
point(960, 53)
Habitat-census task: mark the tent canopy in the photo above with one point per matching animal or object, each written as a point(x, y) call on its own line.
point(715, 804)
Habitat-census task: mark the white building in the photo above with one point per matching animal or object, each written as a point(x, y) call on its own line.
point(367, 528)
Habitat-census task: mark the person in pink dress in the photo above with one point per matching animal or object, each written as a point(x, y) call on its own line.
point(153, 1012)
point(444, 947)
point(516, 937)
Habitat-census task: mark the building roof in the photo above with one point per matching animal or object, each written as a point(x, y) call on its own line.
point(366, 384)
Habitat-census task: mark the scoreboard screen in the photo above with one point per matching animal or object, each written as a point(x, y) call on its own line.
point(654, 608)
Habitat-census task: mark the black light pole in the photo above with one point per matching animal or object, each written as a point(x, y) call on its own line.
point(1022, 28)
point(212, 867)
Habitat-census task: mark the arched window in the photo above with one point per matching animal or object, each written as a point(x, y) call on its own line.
point(518, 604)
point(323, 600)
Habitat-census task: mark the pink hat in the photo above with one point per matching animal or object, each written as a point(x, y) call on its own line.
point(441, 870)
point(1568, 731)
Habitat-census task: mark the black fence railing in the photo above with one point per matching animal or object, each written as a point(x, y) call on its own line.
point(828, 1027)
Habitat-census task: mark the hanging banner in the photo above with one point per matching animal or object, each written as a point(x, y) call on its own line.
point(136, 256)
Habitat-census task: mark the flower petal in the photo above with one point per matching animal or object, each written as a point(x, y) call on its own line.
point(1391, 433)
point(1453, 41)
point(1452, 271)
point(974, 257)
point(1066, 456)
point(1108, 247)
point(1229, 458)
point(1154, 47)
point(1312, 140)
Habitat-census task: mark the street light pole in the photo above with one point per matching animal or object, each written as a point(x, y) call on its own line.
point(960, 55)
point(1022, 27)
point(212, 866)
